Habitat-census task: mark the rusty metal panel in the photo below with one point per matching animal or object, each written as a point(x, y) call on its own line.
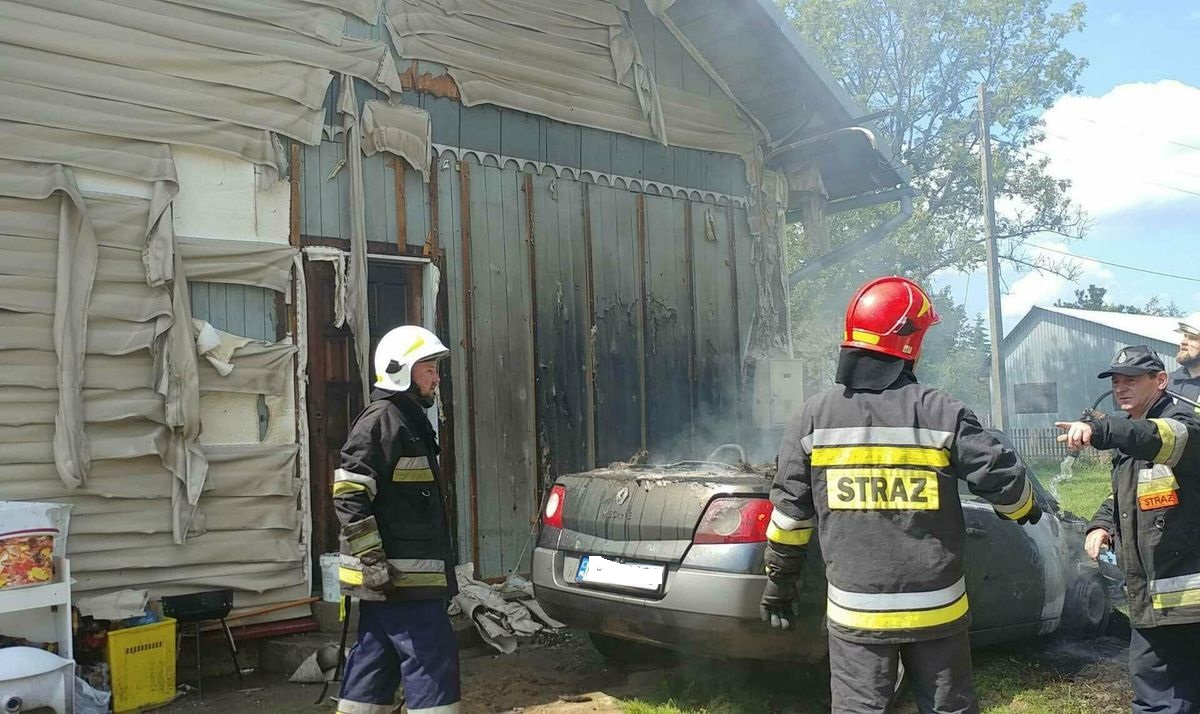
point(668, 328)
point(562, 326)
point(716, 326)
point(615, 271)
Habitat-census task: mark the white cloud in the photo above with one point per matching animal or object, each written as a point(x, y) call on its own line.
point(1128, 147)
point(1041, 288)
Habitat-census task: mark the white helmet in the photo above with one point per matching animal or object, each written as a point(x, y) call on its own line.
point(399, 350)
point(1190, 325)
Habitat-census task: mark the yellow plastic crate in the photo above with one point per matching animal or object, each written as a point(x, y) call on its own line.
point(142, 662)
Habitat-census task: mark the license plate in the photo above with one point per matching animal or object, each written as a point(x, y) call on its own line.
point(598, 570)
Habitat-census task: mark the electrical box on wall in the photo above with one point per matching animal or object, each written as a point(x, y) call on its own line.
point(778, 392)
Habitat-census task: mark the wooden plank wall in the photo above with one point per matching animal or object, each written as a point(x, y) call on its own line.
point(587, 322)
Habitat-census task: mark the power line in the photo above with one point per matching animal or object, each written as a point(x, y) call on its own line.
point(1114, 265)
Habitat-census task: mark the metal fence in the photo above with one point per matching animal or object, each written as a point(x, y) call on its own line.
point(1037, 443)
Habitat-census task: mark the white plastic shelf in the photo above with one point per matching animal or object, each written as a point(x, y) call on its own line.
point(41, 613)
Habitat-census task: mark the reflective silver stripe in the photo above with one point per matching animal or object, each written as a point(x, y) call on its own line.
point(879, 435)
point(883, 602)
point(412, 463)
point(346, 706)
point(1026, 494)
point(417, 565)
point(350, 561)
point(443, 709)
point(785, 522)
point(342, 475)
point(1175, 584)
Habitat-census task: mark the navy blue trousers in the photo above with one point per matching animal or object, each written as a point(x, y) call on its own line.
point(1164, 668)
point(409, 643)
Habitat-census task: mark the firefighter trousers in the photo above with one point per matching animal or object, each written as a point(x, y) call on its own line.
point(863, 676)
point(409, 643)
point(1164, 668)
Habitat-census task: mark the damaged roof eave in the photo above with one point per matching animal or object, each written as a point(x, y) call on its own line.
point(841, 100)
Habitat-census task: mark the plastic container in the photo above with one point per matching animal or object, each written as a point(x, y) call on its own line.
point(142, 660)
point(331, 590)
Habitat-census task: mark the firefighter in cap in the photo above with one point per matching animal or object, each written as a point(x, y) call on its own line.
point(1185, 381)
point(871, 466)
point(396, 556)
point(1151, 520)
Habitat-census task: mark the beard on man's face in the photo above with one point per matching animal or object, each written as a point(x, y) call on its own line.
point(1188, 355)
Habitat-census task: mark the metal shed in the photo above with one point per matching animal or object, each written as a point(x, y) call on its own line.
point(1053, 355)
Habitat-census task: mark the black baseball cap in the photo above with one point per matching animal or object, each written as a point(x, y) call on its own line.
point(1132, 361)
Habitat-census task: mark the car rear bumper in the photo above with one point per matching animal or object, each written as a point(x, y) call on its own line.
point(703, 612)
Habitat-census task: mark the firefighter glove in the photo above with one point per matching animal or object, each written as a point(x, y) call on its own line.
point(376, 573)
point(1032, 517)
point(778, 605)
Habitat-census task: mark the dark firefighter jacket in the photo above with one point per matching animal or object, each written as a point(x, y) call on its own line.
point(1153, 513)
point(389, 470)
point(876, 473)
point(1185, 385)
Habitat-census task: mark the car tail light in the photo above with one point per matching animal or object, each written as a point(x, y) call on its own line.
point(734, 520)
point(553, 514)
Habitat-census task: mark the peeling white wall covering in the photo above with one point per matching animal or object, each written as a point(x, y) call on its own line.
point(356, 299)
point(365, 9)
point(360, 58)
point(77, 255)
point(95, 79)
point(224, 76)
point(338, 258)
point(402, 130)
point(263, 265)
point(324, 23)
point(241, 522)
point(574, 61)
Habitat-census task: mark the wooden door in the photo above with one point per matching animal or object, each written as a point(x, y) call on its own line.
point(334, 394)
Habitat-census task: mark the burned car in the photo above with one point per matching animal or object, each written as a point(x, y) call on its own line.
point(672, 556)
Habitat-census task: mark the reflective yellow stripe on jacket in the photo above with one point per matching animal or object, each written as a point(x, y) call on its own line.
point(786, 530)
point(1180, 591)
point(897, 611)
point(412, 469)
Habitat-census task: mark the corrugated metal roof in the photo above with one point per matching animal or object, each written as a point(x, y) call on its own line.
point(1151, 326)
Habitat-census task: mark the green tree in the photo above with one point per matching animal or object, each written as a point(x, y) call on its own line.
point(919, 63)
point(1094, 298)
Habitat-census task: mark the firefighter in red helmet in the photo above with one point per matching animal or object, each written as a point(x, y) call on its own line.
point(871, 467)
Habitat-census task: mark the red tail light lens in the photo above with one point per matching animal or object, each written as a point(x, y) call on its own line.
point(734, 520)
point(553, 514)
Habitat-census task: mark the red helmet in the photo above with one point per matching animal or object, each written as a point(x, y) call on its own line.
point(890, 315)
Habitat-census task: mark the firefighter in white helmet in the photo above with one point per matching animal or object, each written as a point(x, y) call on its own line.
point(396, 553)
point(1185, 381)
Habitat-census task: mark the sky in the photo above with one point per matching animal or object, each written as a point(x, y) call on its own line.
point(1130, 145)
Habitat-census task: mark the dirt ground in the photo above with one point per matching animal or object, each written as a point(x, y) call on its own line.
point(562, 674)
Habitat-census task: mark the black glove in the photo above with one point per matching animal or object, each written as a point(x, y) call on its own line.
point(1032, 517)
point(778, 605)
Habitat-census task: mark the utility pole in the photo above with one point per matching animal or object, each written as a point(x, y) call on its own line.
point(995, 322)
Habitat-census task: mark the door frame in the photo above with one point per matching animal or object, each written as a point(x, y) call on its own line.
point(430, 276)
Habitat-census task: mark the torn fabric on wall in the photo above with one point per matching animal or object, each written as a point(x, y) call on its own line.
point(75, 274)
point(356, 302)
point(338, 258)
point(576, 62)
point(402, 130)
point(264, 265)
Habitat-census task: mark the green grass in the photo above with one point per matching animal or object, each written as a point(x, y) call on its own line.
point(1081, 492)
point(1039, 677)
